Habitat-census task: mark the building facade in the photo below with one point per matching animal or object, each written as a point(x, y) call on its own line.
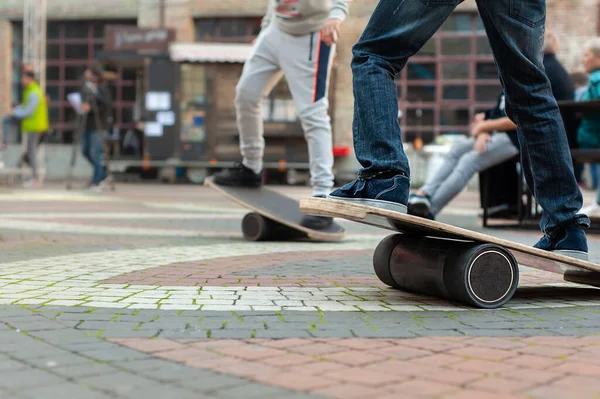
point(443, 86)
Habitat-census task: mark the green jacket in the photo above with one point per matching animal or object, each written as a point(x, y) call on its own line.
point(588, 135)
point(37, 120)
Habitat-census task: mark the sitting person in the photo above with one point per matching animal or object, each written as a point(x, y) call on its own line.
point(493, 140)
point(588, 135)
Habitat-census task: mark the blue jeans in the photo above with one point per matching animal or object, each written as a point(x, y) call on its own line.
point(515, 28)
point(91, 145)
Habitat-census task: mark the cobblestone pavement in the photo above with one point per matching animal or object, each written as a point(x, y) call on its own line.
point(152, 292)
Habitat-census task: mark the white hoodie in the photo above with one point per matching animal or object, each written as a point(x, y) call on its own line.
point(301, 17)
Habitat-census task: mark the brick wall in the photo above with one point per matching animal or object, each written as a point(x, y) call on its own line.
point(178, 15)
point(228, 8)
point(574, 21)
point(75, 9)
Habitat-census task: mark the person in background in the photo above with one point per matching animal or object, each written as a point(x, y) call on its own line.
point(588, 135)
point(33, 114)
point(97, 104)
point(580, 81)
point(563, 90)
point(493, 140)
point(10, 120)
point(297, 39)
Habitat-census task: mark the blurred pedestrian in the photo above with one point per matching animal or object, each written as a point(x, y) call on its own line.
point(297, 39)
point(33, 114)
point(97, 105)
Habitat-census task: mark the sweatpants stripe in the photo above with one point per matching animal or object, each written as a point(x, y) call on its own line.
point(321, 71)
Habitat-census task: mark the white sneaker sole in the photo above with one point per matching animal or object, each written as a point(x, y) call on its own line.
point(381, 204)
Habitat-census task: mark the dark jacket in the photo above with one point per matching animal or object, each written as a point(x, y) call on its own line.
point(563, 90)
point(104, 107)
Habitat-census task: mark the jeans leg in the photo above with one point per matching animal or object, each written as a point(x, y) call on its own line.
point(85, 146)
point(97, 154)
point(515, 29)
point(458, 150)
point(396, 31)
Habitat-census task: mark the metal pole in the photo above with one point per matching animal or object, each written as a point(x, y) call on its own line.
point(162, 7)
point(42, 45)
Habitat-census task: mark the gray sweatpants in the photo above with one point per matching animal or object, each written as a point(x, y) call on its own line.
point(306, 63)
point(461, 164)
point(32, 142)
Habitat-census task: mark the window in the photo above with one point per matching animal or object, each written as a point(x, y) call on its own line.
point(448, 81)
point(71, 47)
point(227, 29)
point(193, 102)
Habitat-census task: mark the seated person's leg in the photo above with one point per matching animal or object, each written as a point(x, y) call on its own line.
point(419, 202)
point(498, 150)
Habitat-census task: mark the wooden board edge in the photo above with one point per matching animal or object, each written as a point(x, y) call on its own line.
point(313, 234)
point(343, 210)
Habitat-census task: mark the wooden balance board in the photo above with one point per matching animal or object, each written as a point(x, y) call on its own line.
point(274, 216)
point(450, 262)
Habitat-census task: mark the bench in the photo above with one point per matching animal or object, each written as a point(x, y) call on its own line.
point(527, 212)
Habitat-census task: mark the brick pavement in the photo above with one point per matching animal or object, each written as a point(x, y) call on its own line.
point(151, 292)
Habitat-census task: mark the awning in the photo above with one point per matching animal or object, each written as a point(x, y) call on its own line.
point(210, 52)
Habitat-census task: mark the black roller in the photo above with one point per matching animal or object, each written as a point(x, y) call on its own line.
point(256, 227)
point(478, 274)
point(381, 259)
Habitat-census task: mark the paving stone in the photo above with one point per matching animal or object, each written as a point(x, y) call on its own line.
point(16, 380)
point(472, 332)
point(12, 365)
point(244, 326)
point(254, 392)
point(64, 391)
point(84, 316)
point(60, 335)
point(25, 352)
point(110, 325)
point(130, 333)
point(282, 334)
point(139, 366)
point(231, 334)
point(86, 345)
point(331, 334)
point(118, 382)
point(171, 372)
point(38, 325)
point(111, 311)
point(212, 382)
point(369, 333)
point(138, 318)
point(161, 391)
point(114, 355)
point(83, 370)
point(64, 359)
